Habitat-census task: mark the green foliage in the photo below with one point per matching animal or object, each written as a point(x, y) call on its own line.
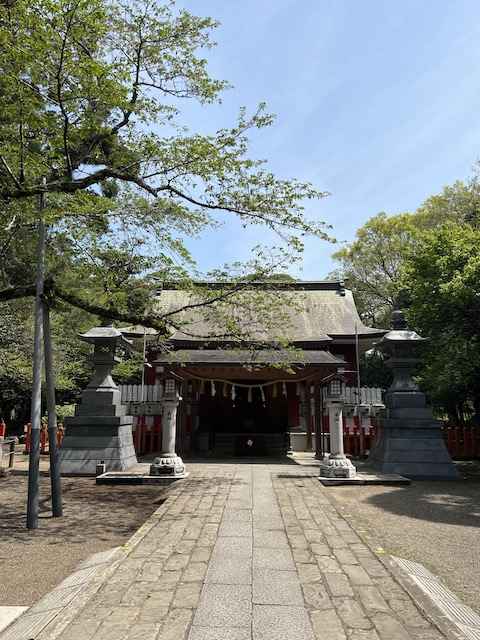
point(371, 265)
point(90, 115)
point(64, 411)
point(427, 263)
point(441, 277)
point(373, 373)
point(91, 126)
point(16, 351)
point(72, 371)
point(458, 203)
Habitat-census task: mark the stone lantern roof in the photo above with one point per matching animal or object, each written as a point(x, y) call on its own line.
point(400, 338)
point(104, 334)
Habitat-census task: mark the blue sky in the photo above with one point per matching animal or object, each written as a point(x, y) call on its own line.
point(377, 102)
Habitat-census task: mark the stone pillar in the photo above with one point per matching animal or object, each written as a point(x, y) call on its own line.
point(336, 465)
point(169, 422)
point(100, 431)
point(168, 463)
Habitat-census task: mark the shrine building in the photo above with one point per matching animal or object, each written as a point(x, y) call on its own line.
point(234, 403)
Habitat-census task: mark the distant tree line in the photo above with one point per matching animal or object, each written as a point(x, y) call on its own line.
point(426, 263)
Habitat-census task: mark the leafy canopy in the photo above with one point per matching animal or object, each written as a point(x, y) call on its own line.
point(372, 264)
point(441, 276)
point(91, 125)
point(90, 116)
point(428, 264)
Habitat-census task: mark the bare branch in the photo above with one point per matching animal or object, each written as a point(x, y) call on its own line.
point(10, 172)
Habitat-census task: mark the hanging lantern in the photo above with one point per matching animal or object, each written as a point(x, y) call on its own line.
point(284, 389)
point(225, 390)
point(249, 396)
point(213, 389)
point(202, 387)
point(233, 393)
point(274, 390)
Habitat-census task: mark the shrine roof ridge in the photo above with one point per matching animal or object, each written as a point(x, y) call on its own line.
point(296, 285)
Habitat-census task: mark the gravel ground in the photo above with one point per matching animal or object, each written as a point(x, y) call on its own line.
point(95, 518)
point(434, 523)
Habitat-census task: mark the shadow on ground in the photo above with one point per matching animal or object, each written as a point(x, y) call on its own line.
point(434, 501)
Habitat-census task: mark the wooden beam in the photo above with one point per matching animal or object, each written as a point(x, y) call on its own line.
point(317, 403)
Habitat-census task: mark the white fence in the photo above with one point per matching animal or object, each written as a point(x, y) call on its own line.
point(368, 395)
point(133, 393)
point(154, 392)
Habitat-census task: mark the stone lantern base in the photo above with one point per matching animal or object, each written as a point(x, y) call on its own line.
point(409, 441)
point(96, 440)
point(168, 465)
point(337, 466)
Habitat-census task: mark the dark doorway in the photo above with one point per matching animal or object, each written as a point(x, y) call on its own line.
point(249, 412)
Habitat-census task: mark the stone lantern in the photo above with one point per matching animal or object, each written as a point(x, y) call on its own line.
point(408, 440)
point(337, 465)
point(100, 433)
point(168, 463)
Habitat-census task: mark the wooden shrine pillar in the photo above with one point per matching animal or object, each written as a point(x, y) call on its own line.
point(182, 419)
point(193, 414)
point(317, 403)
point(308, 415)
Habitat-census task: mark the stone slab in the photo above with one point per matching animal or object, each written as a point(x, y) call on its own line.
point(88, 424)
point(273, 587)
point(9, 615)
point(417, 471)
point(121, 477)
point(224, 605)
point(366, 478)
point(465, 621)
point(293, 621)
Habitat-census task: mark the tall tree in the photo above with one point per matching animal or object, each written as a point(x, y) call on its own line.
point(397, 262)
point(372, 263)
point(90, 96)
point(440, 277)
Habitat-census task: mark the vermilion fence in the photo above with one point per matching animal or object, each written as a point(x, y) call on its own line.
point(461, 442)
point(359, 440)
point(43, 437)
point(147, 438)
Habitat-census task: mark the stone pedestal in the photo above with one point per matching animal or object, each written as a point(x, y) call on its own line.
point(100, 432)
point(168, 465)
point(408, 440)
point(337, 466)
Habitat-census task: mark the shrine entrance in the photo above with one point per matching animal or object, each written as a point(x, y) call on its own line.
point(249, 411)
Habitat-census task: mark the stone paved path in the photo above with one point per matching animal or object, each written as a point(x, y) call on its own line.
point(240, 552)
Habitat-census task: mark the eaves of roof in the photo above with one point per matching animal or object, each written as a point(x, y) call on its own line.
point(233, 357)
